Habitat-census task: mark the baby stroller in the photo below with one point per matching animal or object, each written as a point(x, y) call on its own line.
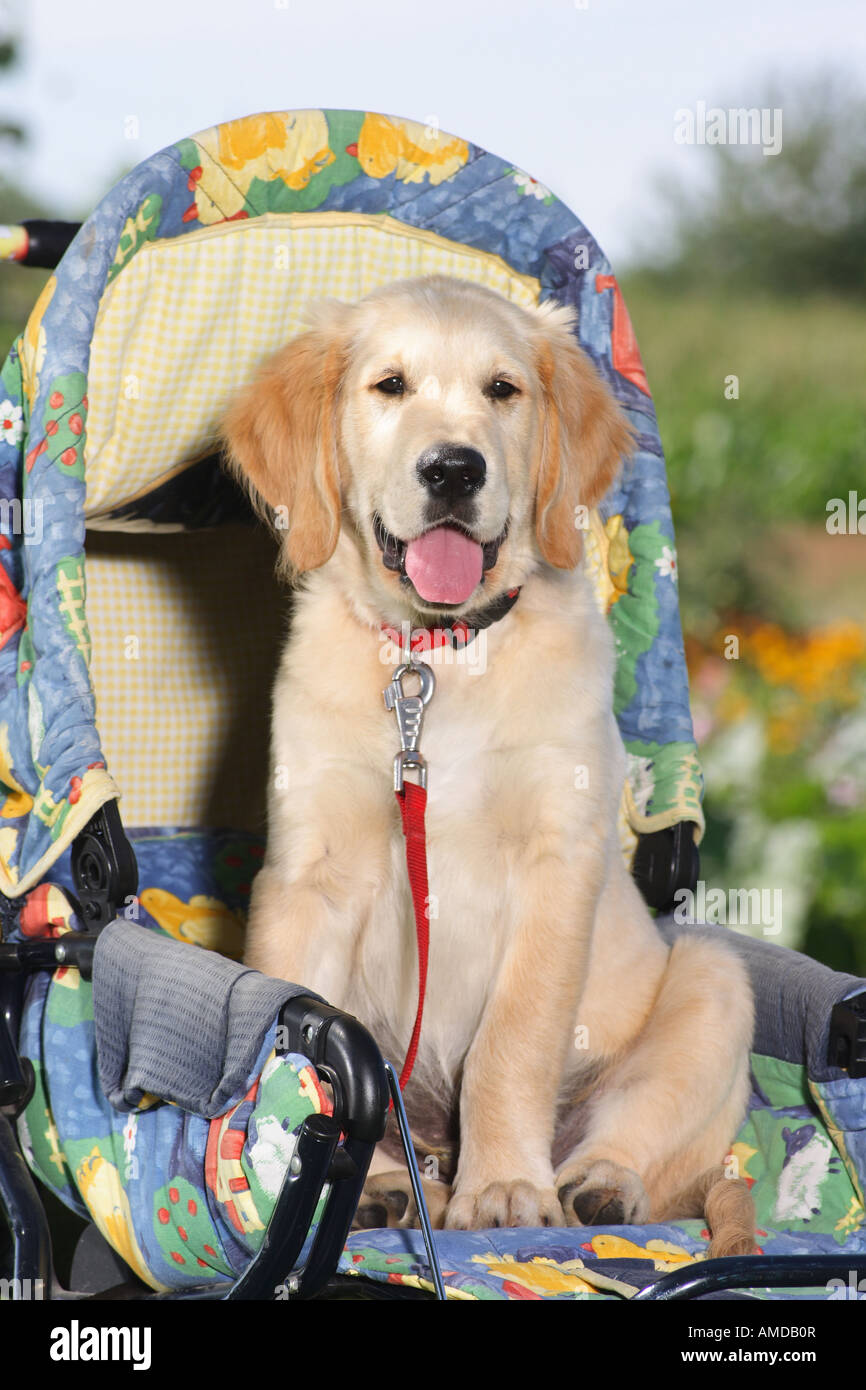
point(222, 1153)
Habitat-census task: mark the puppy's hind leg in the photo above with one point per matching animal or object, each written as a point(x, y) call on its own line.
point(668, 1110)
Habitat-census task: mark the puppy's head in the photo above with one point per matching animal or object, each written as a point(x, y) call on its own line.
point(449, 434)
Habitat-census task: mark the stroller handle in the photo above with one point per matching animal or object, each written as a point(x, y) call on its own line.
point(36, 242)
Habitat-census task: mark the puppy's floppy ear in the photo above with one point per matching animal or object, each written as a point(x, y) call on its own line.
point(583, 437)
point(281, 439)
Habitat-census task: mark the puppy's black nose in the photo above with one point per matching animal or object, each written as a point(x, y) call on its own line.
point(451, 472)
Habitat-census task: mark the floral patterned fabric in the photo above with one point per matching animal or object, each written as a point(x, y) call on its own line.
point(790, 1150)
point(185, 1201)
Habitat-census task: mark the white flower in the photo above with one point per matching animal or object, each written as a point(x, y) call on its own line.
point(667, 564)
point(732, 761)
point(530, 185)
point(841, 763)
point(11, 422)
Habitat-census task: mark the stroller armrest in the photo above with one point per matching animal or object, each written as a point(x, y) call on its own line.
point(847, 1045)
point(666, 861)
point(344, 1055)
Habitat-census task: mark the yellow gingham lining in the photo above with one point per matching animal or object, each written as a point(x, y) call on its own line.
point(187, 321)
point(186, 630)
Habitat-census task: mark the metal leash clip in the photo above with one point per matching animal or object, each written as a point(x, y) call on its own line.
point(409, 710)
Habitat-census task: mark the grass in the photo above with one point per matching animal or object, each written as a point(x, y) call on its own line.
point(747, 473)
point(800, 415)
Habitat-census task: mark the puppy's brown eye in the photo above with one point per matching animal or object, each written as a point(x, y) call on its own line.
point(391, 386)
point(500, 390)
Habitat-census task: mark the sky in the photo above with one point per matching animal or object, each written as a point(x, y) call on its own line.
point(580, 93)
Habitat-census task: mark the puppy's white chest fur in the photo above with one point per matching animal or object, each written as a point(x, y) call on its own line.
point(501, 793)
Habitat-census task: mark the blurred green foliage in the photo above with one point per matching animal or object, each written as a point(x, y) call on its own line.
point(794, 438)
point(765, 283)
point(19, 287)
point(787, 224)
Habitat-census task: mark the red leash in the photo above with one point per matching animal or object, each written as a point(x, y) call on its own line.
point(412, 800)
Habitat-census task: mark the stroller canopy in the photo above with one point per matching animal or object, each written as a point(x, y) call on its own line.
point(196, 266)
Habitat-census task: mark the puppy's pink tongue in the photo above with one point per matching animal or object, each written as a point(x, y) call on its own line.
point(444, 565)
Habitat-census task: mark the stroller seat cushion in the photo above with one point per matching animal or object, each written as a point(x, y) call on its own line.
point(203, 1052)
point(187, 1200)
point(184, 704)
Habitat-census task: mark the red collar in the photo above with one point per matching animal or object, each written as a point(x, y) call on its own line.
point(456, 633)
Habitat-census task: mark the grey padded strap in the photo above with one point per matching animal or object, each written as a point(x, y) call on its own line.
point(177, 1021)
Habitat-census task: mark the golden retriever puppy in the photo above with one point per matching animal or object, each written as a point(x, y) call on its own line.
point(430, 448)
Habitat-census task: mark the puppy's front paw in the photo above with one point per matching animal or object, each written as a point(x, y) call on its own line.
point(601, 1194)
point(387, 1200)
point(503, 1204)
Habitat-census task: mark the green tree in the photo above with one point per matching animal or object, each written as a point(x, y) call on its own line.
point(790, 223)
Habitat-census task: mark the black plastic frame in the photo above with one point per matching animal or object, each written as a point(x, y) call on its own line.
point(665, 862)
point(846, 1046)
point(750, 1272)
point(104, 868)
